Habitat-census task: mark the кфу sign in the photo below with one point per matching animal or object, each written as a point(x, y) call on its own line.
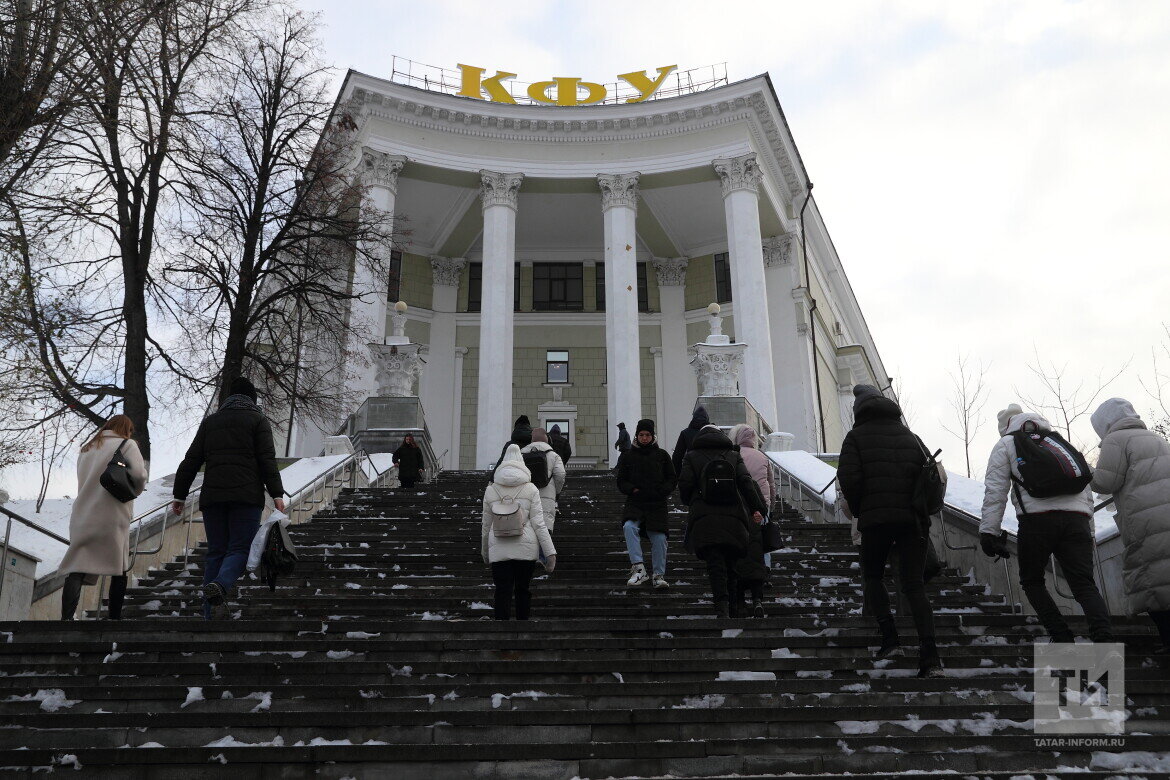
point(566, 90)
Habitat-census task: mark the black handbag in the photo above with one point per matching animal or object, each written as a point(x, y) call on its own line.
point(773, 537)
point(116, 478)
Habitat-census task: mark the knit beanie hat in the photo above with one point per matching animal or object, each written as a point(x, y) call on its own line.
point(522, 420)
point(538, 434)
point(242, 386)
point(1005, 417)
point(645, 425)
point(863, 393)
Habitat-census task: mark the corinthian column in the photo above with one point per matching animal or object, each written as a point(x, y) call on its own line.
point(678, 389)
point(436, 388)
point(791, 351)
point(379, 172)
point(619, 208)
point(740, 177)
point(499, 194)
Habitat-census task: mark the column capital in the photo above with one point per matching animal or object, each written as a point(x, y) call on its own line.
point(670, 271)
point(618, 189)
point(499, 189)
point(381, 169)
point(445, 270)
point(778, 250)
point(738, 173)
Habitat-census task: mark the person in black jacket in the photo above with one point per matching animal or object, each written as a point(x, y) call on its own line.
point(236, 445)
point(521, 437)
point(880, 463)
point(646, 478)
point(409, 460)
point(718, 532)
point(560, 444)
point(687, 435)
point(622, 445)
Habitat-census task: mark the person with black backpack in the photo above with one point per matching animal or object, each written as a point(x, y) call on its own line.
point(880, 472)
point(724, 500)
point(646, 478)
point(548, 473)
point(1048, 481)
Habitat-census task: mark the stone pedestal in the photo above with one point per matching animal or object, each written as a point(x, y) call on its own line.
point(397, 368)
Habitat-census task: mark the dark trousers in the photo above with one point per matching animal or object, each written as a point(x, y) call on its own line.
point(71, 594)
point(1067, 537)
point(230, 528)
point(513, 578)
point(876, 544)
point(406, 480)
point(1161, 618)
point(720, 560)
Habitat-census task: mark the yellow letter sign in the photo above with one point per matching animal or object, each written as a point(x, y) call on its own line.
point(566, 89)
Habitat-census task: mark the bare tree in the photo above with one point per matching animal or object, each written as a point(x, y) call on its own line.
point(1064, 400)
point(276, 223)
point(968, 397)
point(1157, 385)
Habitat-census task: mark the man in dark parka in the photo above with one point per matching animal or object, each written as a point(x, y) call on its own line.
point(646, 478)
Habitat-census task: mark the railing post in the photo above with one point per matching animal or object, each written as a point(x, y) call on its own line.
point(4, 557)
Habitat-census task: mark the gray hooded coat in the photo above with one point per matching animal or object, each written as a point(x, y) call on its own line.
point(1135, 468)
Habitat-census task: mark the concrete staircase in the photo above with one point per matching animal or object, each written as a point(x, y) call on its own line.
point(379, 659)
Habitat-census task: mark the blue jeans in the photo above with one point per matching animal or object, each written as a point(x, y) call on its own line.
point(657, 546)
point(230, 528)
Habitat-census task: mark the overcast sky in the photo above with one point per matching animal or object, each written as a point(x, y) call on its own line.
point(994, 174)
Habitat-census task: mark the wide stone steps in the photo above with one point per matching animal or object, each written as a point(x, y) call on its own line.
point(378, 658)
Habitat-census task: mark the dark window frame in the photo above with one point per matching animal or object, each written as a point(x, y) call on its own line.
point(722, 277)
point(475, 286)
point(394, 277)
point(548, 363)
point(558, 287)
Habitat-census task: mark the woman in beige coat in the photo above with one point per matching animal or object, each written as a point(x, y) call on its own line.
point(99, 527)
point(1134, 467)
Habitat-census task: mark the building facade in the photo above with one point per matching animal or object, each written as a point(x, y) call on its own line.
point(560, 261)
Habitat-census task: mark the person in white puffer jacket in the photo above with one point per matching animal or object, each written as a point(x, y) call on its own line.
point(1060, 527)
point(556, 472)
point(513, 558)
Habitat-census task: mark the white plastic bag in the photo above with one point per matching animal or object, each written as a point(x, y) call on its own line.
point(257, 549)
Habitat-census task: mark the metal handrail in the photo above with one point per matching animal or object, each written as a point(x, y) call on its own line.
point(8, 533)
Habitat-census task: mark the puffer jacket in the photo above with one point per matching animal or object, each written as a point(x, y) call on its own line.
point(998, 484)
point(512, 480)
point(713, 524)
point(751, 568)
point(880, 462)
point(556, 483)
point(686, 437)
point(1134, 467)
point(757, 462)
point(236, 445)
point(647, 469)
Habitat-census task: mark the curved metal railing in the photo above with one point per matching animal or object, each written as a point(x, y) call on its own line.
point(8, 534)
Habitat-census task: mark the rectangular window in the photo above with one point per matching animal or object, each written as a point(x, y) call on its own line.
point(557, 287)
point(474, 286)
point(600, 286)
point(556, 367)
point(643, 293)
point(516, 287)
point(722, 277)
point(394, 277)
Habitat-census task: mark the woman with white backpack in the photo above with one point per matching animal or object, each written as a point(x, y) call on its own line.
point(514, 534)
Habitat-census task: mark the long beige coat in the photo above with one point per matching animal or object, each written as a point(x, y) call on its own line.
point(99, 527)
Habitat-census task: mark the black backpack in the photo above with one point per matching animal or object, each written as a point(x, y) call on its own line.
point(930, 485)
point(279, 558)
point(1048, 465)
point(537, 463)
point(717, 482)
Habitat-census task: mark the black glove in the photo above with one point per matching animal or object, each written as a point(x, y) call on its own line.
point(994, 546)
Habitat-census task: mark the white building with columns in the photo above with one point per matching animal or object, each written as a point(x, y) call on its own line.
point(560, 262)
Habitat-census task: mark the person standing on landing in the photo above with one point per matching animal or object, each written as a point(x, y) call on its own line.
point(646, 478)
point(1058, 526)
point(881, 460)
point(409, 460)
point(513, 558)
point(99, 525)
point(236, 445)
point(1134, 467)
point(724, 500)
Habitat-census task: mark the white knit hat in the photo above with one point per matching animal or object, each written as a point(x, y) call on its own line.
point(1005, 417)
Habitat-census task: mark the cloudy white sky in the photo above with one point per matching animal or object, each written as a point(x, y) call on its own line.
point(993, 174)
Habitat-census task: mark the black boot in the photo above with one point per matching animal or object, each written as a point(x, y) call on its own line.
point(929, 664)
point(757, 608)
point(722, 609)
point(890, 646)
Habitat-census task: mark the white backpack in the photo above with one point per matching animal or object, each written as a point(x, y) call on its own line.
point(508, 517)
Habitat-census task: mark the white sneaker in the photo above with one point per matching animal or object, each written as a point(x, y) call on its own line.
point(638, 575)
point(660, 581)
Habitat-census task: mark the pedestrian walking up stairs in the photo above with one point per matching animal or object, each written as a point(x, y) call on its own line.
point(378, 659)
